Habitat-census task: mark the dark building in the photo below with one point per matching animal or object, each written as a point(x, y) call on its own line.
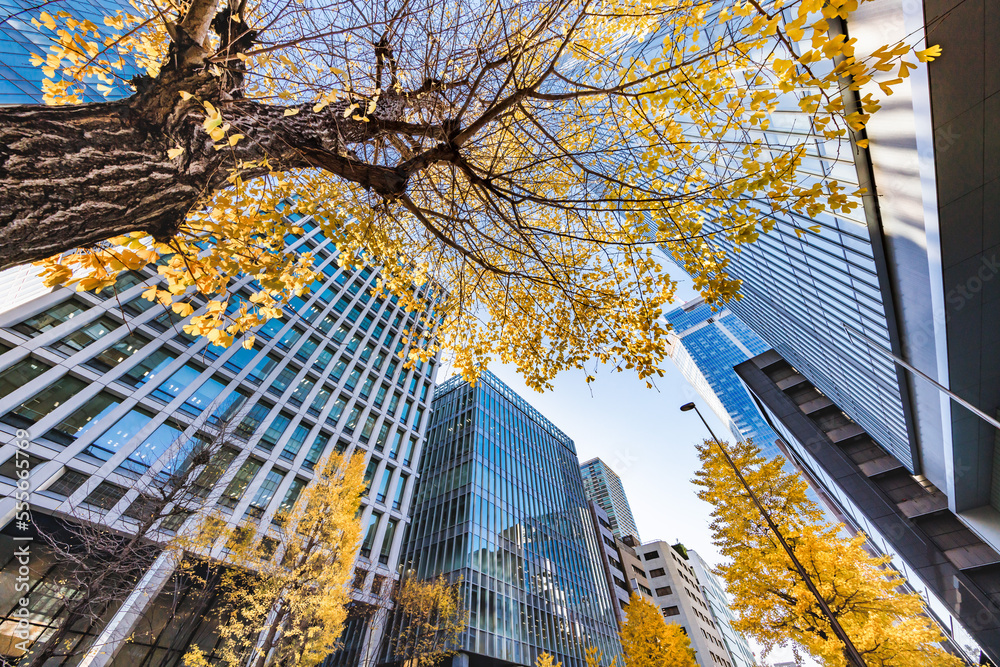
point(500, 504)
point(903, 515)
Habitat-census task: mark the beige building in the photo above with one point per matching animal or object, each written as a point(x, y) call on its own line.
point(678, 593)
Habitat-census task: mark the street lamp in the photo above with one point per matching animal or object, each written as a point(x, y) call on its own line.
point(852, 652)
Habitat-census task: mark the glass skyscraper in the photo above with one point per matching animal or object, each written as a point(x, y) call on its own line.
point(501, 506)
point(604, 487)
point(706, 345)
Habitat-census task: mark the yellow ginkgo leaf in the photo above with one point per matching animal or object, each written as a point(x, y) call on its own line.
point(174, 152)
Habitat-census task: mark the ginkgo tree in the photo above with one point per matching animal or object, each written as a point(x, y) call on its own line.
point(888, 626)
point(524, 157)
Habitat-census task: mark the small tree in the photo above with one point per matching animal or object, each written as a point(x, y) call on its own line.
point(432, 620)
point(103, 565)
point(649, 641)
point(285, 595)
point(888, 627)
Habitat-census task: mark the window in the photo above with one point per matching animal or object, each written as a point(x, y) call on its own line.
point(231, 496)
point(68, 482)
point(289, 339)
point(229, 408)
point(109, 442)
point(264, 494)
point(645, 590)
point(393, 403)
point(85, 335)
point(307, 348)
point(369, 541)
point(650, 555)
point(301, 391)
point(409, 451)
point(181, 379)
point(394, 450)
point(146, 454)
point(274, 431)
point(352, 420)
point(284, 380)
point(319, 402)
point(263, 369)
point(322, 360)
point(671, 611)
point(125, 281)
point(380, 395)
point(294, 443)
point(336, 411)
point(44, 402)
point(268, 330)
point(383, 433)
point(366, 388)
point(352, 379)
point(105, 496)
point(664, 590)
point(213, 472)
point(15, 463)
point(291, 497)
point(390, 533)
point(383, 487)
point(51, 318)
point(126, 346)
point(658, 572)
point(370, 473)
point(638, 570)
point(315, 452)
point(397, 501)
point(366, 432)
point(147, 369)
point(20, 374)
point(252, 419)
point(240, 359)
point(81, 419)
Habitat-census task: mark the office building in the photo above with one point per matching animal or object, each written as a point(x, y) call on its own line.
point(623, 569)
point(604, 487)
point(679, 596)
point(501, 505)
point(106, 384)
point(912, 273)
point(903, 515)
point(715, 594)
point(705, 344)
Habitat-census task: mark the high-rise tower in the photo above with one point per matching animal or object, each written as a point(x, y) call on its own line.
point(604, 487)
point(101, 385)
point(705, 345)
point(501, 506)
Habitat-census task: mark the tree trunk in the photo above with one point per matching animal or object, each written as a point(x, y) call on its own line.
point(72, 176)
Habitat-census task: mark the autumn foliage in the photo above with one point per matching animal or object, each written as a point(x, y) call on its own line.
point(889, 626)
point(526, 158)
point(285, 593)
point(649, 641)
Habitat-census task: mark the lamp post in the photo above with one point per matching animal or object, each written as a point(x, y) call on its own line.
point(850, 650)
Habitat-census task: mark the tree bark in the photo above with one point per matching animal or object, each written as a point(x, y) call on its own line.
point(72, 176)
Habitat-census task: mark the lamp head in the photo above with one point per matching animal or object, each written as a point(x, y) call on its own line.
point(687, 406)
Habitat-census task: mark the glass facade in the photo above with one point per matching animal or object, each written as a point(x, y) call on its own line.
point(501, 507)
point(705, 346)
point(105, 393)
point(603, 485)
point(20, 81)
point(800, 288)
